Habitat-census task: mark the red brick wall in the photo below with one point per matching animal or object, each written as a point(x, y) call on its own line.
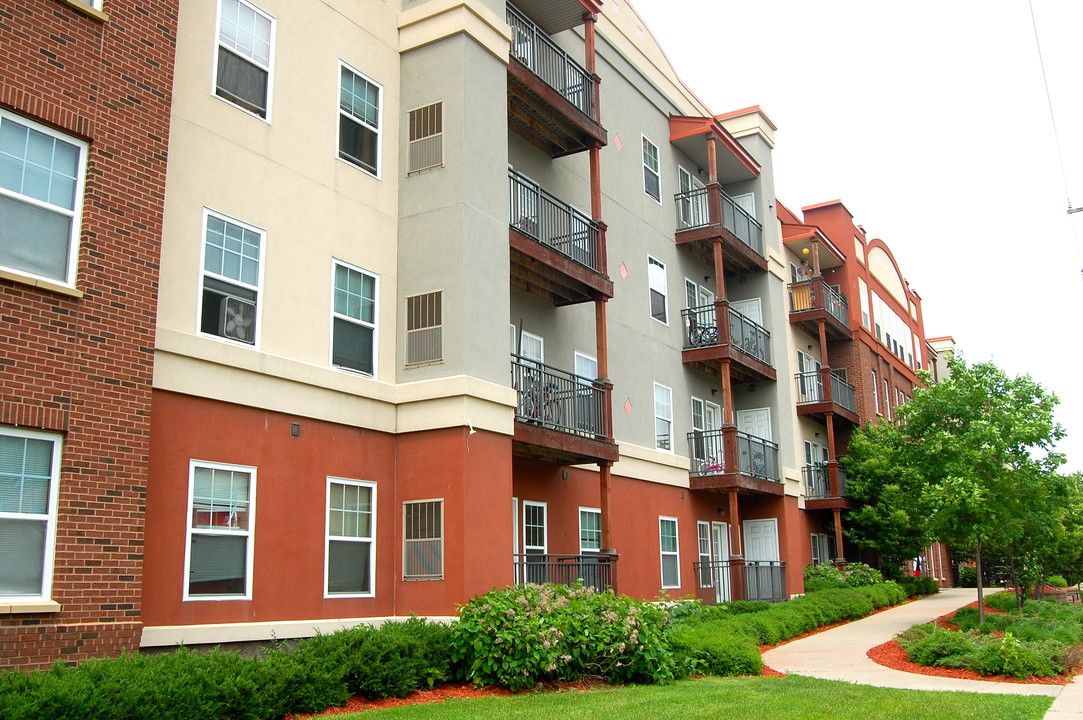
point(82, 365)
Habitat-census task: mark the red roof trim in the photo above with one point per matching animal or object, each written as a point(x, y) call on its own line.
point(681, 127)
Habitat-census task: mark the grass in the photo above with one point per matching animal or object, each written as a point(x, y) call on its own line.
point(735, 699)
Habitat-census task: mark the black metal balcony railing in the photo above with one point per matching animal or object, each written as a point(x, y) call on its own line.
point(817, 481)
point(842, 393)
point(532, 47)
point(701, 330)
point(760, 580)
point(836, 305)
point(557, 399)
point(536, 213)
point(706, 453)
point(595, 570)
point(757, 457)
point(693, 210)
point(810, 387)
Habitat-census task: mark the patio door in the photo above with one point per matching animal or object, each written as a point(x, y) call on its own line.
point(692, 210)
point(751, 309)
point(755, 422)
point(763, 575)
point(714, 552)
point(535, 541)
point(587, 408)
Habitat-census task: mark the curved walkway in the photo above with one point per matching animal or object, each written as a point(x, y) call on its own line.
point(839, 654)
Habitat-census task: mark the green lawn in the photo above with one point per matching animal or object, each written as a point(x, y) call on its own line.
point(733, 699)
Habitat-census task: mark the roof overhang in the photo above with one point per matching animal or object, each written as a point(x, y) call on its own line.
point(689, 135)
point(554, 16)
point(798, 238)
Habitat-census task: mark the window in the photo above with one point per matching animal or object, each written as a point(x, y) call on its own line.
point(823, 548)
point(359, 120)
point(351, 533)
point(426, 136)
point(29, 475)
point(231, 278)
point(875, 394)
point(424, 329)
point(423, 540)
point(221, 514)
point(590, 530)
point(535, 544)
point(652, 179)
point(703, 532)
point(245, 48)
point(354, 320)
point(656, 280)
point(663, 417)
point(42, 175)
point(671, 562)
point(887, 398)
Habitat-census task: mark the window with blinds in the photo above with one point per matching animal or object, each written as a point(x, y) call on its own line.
point(424, 329)
point(426, 137)
point(423, 540)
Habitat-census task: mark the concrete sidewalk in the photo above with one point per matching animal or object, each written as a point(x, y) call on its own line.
point(839, 654)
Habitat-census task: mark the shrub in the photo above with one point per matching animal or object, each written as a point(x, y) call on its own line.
point(826, 576)
point(1056, 581)
point(1005, 601)
point(1009, 656)
point(918, 586)
point(937, 645)
point(861, 575)
point(527, 634)
point(715, 649)
point(968, 576)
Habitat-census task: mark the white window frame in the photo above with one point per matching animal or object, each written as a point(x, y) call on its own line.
point(375, 172)
point(542, 549)
point(249, 534)
point(659, 283)
point(257, 289)
point(875, 393)
point(657, 172)
point(49, 516)
point(663, 553)
point(374, 325)
point(327, 537)
point(661, 416)
point(416, 577)
point(76, 213)
point(268, 68)
point(424, 336)
point(590, 511)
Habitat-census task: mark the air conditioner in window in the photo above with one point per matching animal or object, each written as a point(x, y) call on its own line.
point(238, 319)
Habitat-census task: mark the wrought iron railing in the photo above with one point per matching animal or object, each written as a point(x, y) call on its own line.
point(596, 570)
point(810, 387)
point(693, 210)
point(759, 579)
point(757, 457)
point(701, 330)
point(537, 214)
point(836, 305)
point(842, 393)
point(706, 454)
point(557, 399)
point(534, 49)
point(817, 481)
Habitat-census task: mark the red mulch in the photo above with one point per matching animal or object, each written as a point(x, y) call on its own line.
point(892, 655)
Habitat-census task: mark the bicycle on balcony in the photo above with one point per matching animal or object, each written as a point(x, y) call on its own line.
point(538, 401)
point(702, 335)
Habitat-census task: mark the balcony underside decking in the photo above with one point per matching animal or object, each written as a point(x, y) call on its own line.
point(744, 484)
point(537, 442)
point(546, 118)
point(551, 275)
point(743, 367)
point(808, 320)
point(737, 256)
point(830, 503)
point(818, 411)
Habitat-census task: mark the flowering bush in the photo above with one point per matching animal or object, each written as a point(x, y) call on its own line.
point(523, 635)
point(826, 576)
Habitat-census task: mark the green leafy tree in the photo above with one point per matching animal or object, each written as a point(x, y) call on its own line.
point(968, 461)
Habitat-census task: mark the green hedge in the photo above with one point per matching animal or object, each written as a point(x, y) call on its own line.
point(919, 586)
point(185, 685)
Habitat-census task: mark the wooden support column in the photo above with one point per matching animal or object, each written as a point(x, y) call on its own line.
point(815, 257)
point(605, 473)
point(838, 535)
point(736, 551)
point(712, 158)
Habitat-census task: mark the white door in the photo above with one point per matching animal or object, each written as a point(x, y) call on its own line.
point(761, 540)
point(746, 202)
point(755, 422)
point(535, 541)
point(720, 548)
point(692, 210)
point(751, 309)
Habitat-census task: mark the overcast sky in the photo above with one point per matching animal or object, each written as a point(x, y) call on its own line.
point(929, 120)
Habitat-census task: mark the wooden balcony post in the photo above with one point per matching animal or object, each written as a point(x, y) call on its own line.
point(722, 320)
point(737, 556)
point(731, 464)
point(714, 211)
point(602, 261)
point(727, 406)
point(712, 161)
point(590, 64)
point(719, 270)
point(838, 537)
point(815, 257)
point(833, 488)
point(825, 381)
point(605, 477)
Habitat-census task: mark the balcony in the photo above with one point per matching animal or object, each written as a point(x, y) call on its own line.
point(825, 487)
point(717, 334)
point(752, 579)
point(557, 252)
point(822, 391)
point(596, 570)
point(728, 458)
point(560, 417)
point(552, 99)
point(708, 215)
point(813, 301)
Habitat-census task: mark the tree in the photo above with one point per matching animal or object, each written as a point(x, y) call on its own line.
point(967, 461)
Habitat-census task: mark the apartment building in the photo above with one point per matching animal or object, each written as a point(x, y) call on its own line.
point(859, 341)
point(84, 120)
point(450, 295)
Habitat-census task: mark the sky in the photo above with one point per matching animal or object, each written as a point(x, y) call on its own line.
point(930, 121)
